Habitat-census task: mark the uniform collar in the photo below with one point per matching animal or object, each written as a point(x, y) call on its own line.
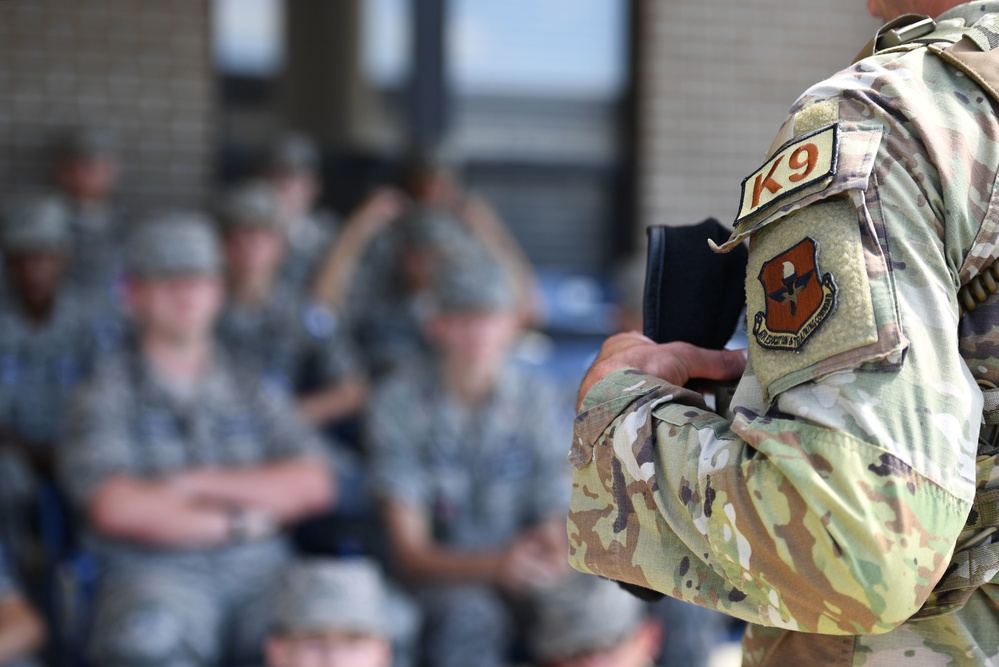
point(971, 12)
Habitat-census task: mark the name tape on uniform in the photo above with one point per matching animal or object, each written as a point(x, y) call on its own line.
point(795, 166)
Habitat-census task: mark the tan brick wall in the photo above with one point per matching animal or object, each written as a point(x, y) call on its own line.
point(140, 68)
point(715, 80)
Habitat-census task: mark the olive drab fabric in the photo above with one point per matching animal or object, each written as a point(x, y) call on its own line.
point(830, 508)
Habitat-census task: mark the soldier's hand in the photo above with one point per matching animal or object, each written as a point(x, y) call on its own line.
point(677, 363)
point(527, 565)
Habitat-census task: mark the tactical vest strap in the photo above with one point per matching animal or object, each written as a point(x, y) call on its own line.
point(990, 411)
point(969, 56)
point(969, 568)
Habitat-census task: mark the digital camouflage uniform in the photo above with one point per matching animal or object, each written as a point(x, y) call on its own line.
point(581, 615)
point(173, 607)
point(832, 501)
point(40, 362)
point(96, 270)
point(309, 240)
point(383, 307)
point(483, 476)
point(290, 343)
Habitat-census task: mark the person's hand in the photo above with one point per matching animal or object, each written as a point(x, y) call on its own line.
point(677, 363)
point(529, 564)
point(379, 210)
point(249, 524)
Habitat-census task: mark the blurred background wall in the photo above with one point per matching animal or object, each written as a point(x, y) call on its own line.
point(715, 81)
point(583, 120)
point(141, 69)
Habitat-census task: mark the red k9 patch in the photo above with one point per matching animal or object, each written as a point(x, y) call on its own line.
point(798, 298)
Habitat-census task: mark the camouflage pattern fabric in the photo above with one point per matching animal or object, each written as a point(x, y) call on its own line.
point(833, 501)
point(289, 342)
point(127, 421)
point(310, 239)
point(484, 474)
point(41, 365)
point(98, 254)
point(166, 607)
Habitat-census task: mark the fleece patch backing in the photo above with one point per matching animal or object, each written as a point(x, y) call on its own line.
point(839, 318)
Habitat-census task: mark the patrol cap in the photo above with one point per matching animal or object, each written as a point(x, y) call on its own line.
point(89, 142)
point(323, 595)
point(473, 283)
point(583, 613)
point(250, 204)
point(435, 158)
point(432, 227)
point(173, 243)
point(293, 152)
point(38, 223)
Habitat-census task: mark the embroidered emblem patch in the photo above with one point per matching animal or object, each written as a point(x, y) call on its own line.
point(798, 300)
point(795, 166)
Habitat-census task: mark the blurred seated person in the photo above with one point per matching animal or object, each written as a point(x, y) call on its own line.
point(333, 613)
point(292, 167)
point(50, 337)
point(298, 346)
point(433, 178)
point(87, 173)
point(380, 272)
point(469, 463)
point(184, 469)
point(586, 621)
point(21, 630)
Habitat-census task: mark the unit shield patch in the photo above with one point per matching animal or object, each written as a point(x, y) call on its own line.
point(798, 298)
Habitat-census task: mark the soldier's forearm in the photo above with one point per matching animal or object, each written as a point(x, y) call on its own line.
point(287, 490)
point(157, 513)
point(342, 400)
point(21, 630)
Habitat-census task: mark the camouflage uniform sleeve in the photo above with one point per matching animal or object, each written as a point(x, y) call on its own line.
point(288, 435)
point(97, 442)
point(832, 501)
point(392, 440)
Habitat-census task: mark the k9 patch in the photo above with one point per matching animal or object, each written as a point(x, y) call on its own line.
point(799, 299)
point(795, 166)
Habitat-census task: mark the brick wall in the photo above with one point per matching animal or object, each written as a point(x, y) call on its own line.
point(142, 69)
point(715, 81)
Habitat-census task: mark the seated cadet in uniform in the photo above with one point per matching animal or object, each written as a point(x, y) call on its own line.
point(292, 167)
point(184, 469)
point(86, 172)
point(469, 463)
point(433, 179)
point(586, 621)
point(389, 264)
point(331, 613)
point(21, 629)
point(49, 340)
point(298, 346)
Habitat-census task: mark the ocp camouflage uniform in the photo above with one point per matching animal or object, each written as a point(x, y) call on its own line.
point(291, 343)
point(482, 476)
point(832, 501)
point(171, 607)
